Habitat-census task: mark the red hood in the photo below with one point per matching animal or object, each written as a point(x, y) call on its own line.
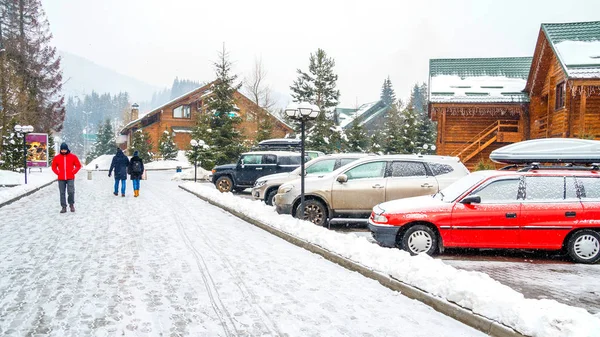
point(425, 203)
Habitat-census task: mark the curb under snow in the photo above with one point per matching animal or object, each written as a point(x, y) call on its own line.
point(10, 201)
point(447, 308)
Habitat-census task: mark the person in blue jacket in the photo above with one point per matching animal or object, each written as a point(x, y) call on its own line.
point(119, 164)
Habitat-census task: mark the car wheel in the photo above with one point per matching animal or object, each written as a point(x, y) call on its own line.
point(270, 199)
point(224, 184)
point(419, 239)
point(314, 211)
point(584, 246)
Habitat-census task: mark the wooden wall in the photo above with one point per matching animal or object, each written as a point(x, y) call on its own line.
point(248, 113)
point(546, 121)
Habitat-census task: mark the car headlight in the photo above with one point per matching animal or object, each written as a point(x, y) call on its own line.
point(380, 218)
point(260, 183)
point(285, 189)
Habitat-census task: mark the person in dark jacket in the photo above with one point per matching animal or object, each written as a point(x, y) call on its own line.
point(66, 165)
point(119, 164)
point(136, 170)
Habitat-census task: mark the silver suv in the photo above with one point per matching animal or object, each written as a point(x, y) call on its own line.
point(349, 193)
point(266, 187)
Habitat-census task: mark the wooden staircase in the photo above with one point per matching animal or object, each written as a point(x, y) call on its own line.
point(499, 131)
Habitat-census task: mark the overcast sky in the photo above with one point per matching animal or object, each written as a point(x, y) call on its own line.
point(156, 40)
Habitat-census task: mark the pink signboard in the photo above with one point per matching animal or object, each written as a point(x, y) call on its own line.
point(37, 149)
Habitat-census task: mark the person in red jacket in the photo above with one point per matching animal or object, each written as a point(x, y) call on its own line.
point(66, 165)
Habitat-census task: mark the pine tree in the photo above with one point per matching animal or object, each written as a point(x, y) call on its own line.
point(408, 132)
point(388, 96)
point(394, 140)
point(142, 143)
point(358, 140)
point(202, 131)
point(105, 142)
point(12, 149)
point(427, 133)
point(319, 87)
point(265, 127)
point(376, 142)
point(51, 147)
point(227, 142)
point(167, 147)
point(30, 66)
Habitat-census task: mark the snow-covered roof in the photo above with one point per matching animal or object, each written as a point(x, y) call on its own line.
point(159, 108)
point(364, 113)
point(577, 46)
point(479, 80)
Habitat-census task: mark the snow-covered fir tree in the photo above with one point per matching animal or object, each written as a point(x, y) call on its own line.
point(226, 143)
point(358, 139)
point(427, 131)
point(393, 141)
point(142, 143)
point(51, 147)
point(12, 149)
point(105, 142)
point(166, 146)
point(408, 132)
point(388, 96)
point(318, 87)
point(202, 132)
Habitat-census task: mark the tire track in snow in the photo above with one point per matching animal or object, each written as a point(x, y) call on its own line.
point(239, 281)
point(219, 308)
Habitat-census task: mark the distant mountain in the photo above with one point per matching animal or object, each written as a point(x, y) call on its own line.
point(82, 76)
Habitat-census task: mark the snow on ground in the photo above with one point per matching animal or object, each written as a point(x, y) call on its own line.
point(101, 163)
point(472, 290)
point(188, 174)
point(35, 179)
point(169, 264)
point(104, 161)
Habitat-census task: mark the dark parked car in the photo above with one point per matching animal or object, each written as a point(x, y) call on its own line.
point(251, 166)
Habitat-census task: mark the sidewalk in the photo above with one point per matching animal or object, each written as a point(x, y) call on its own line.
point(168, 264)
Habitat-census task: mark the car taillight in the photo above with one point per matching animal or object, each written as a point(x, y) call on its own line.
point(213, 171)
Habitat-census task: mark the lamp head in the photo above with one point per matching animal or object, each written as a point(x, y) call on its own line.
point(292, 110)
point(18, 128)
point(193, 143)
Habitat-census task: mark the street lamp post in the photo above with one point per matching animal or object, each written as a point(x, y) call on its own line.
point(302, 112)
point(195, 145)
point(24, 130)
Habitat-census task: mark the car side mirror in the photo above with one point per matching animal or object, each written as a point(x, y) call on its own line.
point(342, 178)
point(471, 199)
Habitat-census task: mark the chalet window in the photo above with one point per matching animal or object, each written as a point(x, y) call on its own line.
point(250, 116)
point(182, 111)
point(560, 96)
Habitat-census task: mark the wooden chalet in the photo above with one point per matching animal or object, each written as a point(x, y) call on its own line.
point(564, 82)
point(485, 103)
point(179, 117)
point(478, 104)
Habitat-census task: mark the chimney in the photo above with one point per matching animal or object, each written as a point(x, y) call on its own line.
point(135, 111)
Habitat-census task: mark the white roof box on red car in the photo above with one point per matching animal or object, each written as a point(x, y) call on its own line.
point(549, 150)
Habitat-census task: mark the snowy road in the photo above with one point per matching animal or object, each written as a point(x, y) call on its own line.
point(169, 264)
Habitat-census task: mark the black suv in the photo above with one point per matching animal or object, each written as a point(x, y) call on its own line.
point(251, 166)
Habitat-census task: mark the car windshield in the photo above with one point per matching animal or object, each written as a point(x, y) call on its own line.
point(450, 193)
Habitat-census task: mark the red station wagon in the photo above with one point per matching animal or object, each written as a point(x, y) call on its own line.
point(542, 208)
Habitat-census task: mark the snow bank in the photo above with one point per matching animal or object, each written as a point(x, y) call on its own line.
point(188, 174)
point(104, 161)
point(472, 290)
point(35, 179)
